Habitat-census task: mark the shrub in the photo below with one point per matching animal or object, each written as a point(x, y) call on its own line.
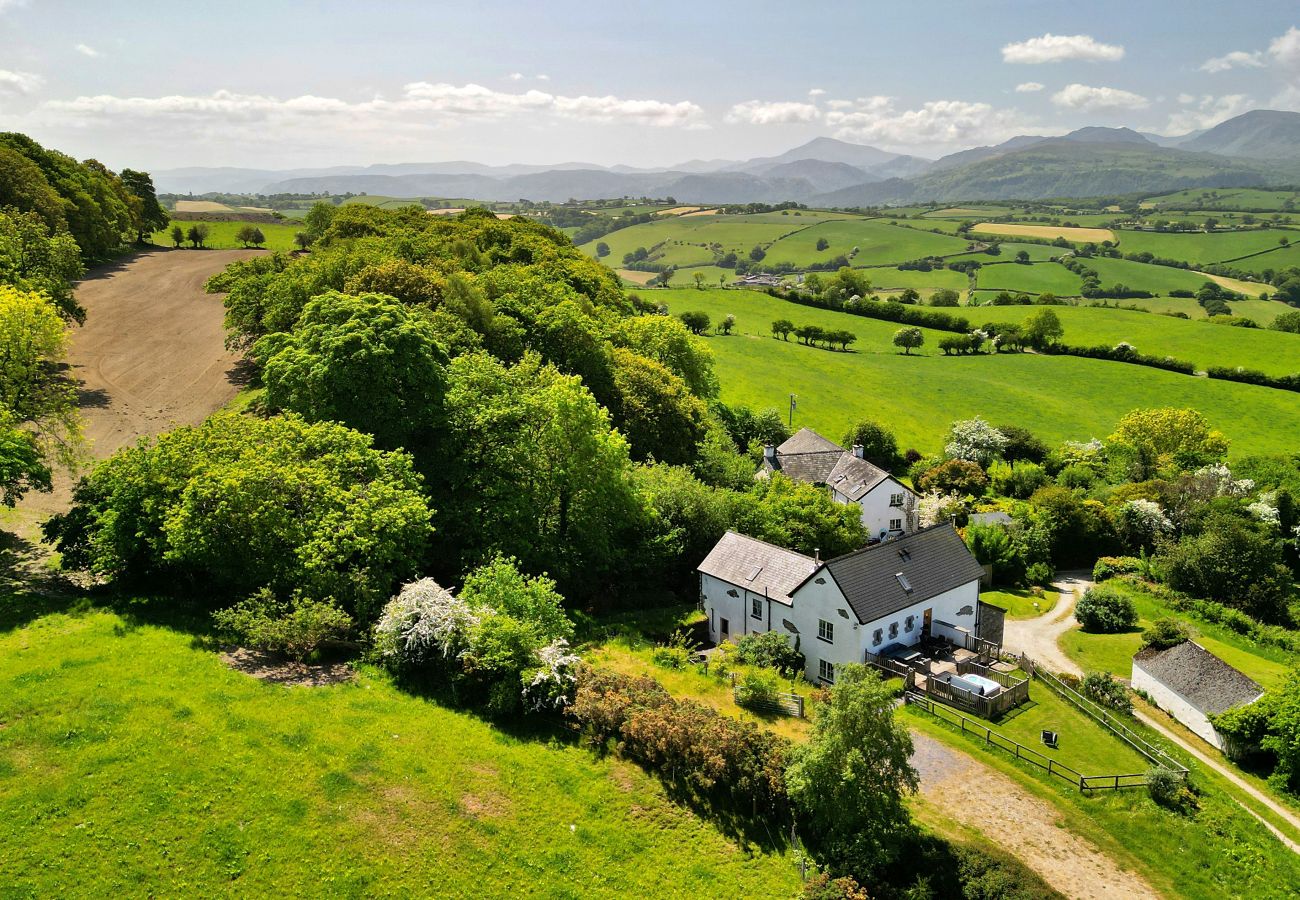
point(1105, 690)
point(1110, 566)
point(1169, 789)
point(823, 887)
point(297, 627)
point(770, 650)
point(1039, 573)
point(675, 653)
point(1165, 632)
point(757, 689)
point(1105, 610)
point(954, 476)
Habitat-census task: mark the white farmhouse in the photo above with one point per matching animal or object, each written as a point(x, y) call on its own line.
point(1192, 684)
point(922, 585)
point(888, 507)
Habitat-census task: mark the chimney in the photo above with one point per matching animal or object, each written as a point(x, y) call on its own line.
point(857, 451)
point(817, 555)
point(769, 452)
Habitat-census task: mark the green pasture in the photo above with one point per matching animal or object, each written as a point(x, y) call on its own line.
point(1032, 278)
point(134, 762)
point(1227, 198)
point(877, 242)
point(221, 235)
point(1261, 311)
point(1057, 397)
point(685, 240)
point(1203, 249)
point(1146, 277)
point(1037, 252)
point(1199, 342)
point(888, 278)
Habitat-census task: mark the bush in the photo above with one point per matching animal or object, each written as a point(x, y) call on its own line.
point(954, 476)
point(1039, 573)
point(1165, 632)
point(757, 689)
point(770, 650)
point(297, 628)
point(1110, 566)
point(823, 887)
point(1105, 690)
point(1169, 789)
point(675, 653)
point(1104, 610)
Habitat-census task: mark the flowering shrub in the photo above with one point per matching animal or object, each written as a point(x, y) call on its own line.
point(423, 621)
point(935, 507)
point(551, 683)
point(975, 440)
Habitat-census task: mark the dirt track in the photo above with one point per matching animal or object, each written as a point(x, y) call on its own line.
point(151, 355)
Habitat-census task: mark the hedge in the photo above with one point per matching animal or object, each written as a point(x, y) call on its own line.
point(888, 310)
point(1251, 376)
point(1118, 354)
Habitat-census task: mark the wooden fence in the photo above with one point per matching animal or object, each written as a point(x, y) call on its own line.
point(785, 704)
point(1085, 783)
point(1015, 691)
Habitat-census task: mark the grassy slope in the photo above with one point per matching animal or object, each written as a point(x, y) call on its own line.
point(687, 235)
point(1058, 398)
point(221, 235)
point(130, 761)
point(877, 242)
point(1262, 311)
point(1032, 278)
point(1019, 603)
point(1146, 277)
point(1202, 248)
point(1198, 342)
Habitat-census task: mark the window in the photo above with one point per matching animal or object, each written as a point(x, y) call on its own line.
point(909, 623)
point(893, 630)
point(826, 671)
point(825, 631)
point(895, 499)
point(755, 608)
point(876, 637)
point(895, 524)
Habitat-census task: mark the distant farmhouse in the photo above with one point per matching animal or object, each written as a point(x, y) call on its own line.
point(893, 595)
point(1192, 684)
point(888, 507)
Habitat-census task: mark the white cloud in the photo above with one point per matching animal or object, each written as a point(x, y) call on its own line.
point(516, 76)
point(1052, 48)
point(1237, 59)
point(1029, 87)
point(816, 92)
point(6, 5)
point(543, 77)
point(779, 112)
point(19, 82)
point(1205, 112)
point(421, 105)
point(1284, 50)
point(938, 122)
point(1086, 98)
point(86, 50)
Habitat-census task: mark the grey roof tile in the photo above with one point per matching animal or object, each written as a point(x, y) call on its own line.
point(757, 566)
point(1198, 676)
point(854, 477)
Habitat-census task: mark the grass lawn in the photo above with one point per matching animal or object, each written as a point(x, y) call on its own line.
point(1020, 603)
point(1032, 278)
point(1114, 652)
point(221, 235)
point(877, 242)
point(134, 762)
point(1199, 342)
point(1058, 398)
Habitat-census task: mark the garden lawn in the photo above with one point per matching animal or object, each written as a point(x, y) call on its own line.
point(1032, 278)
point(221, 235)
point(1057, 397)
point(133, 762)
point(1199, 342)
point(877, 241)
point(1084, 745)
point(1019, 603)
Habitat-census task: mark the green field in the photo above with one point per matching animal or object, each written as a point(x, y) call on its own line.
point(1037, 252)
point(1032, 278)
point(1203, 249)
point(1261, 311)
point(1146, 277)
point(888, 278)
point(1198, 342)
point(221, 235)
point(1059, 398)
point(1226, 198)
point(133, 762)
point(877, 242)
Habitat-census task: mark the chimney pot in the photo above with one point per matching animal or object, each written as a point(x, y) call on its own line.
point(857, 451)
point(769, 451)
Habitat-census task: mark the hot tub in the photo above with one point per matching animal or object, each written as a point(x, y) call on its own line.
point(976, 684)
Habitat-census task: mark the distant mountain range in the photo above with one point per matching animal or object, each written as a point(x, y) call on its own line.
point(1261, 147)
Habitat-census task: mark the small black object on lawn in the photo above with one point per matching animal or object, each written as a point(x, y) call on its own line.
point(1049, 738)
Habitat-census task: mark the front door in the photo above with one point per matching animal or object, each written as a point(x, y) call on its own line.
point(925, 624)
point(724, 630)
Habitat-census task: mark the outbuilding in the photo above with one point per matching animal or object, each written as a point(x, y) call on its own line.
point(1192, 684)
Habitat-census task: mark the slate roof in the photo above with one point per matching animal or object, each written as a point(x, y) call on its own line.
point(932, 561)
point(854, 477)
point(757, 566)
point(1198, 676)
point(807, 456)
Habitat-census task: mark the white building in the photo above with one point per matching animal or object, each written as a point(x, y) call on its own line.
point(888, 507)
point(1191, 684)
point(897, 593)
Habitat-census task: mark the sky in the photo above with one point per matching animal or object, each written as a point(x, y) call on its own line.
point(281, 85)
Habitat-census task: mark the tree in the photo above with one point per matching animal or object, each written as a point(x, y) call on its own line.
point(699, 281)
point(668, 341)
point(955, 476)
point(1022, 256)
point(655, 410)
point(177, 236)
point(728, 322)
point(367, 361)
point(781, 328)
point(879, 446)
point(1232, 561)
point(822, 244)
point(1165, 632)
point(1288, 321)
point(318, 219)
point(32, 258)
point(993, 546)
point(500, 585)
point(757, 253)
point(1022, 445)
point(975, 440)
point(945, 297)
point(909, 339)
point(258, 239)
point(847, 783)
point(697, 322)
point(22, 464)
point(909, 296)
point(246, 234)
point(1042, 328)
point(197, 234)
point(841, 337)
point(239, 504)
point(1164, 441)
point(1104, 610)
point(149, 216)
point(602, 249)
point(302, 240)
point(37, 404)
point(800, 516)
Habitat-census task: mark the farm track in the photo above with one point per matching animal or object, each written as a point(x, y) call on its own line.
point(150, 357)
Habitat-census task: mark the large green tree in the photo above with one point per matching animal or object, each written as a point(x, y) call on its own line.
point(655, 409)
point(149, 216)
point(1163, 442)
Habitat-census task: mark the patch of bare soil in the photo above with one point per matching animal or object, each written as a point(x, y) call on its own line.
point(279, 669)
point(1031, 828)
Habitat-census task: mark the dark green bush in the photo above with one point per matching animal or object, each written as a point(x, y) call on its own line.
point(1105, 610)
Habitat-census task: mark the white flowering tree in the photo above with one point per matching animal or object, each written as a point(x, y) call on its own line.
point(975, 440)
point(550, 685)
point(935, 507)
point(424, 620)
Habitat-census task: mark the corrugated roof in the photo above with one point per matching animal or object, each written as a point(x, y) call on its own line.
point(1198, 676)
point(854, 477)
point(930, 561)
point(757, 565)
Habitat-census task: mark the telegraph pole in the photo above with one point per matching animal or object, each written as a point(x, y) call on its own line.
point(792, 406)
